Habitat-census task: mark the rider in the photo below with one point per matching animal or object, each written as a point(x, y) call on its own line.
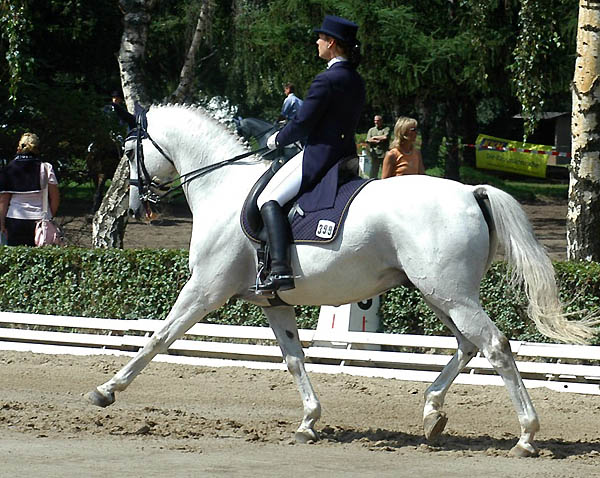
point(291, 104)
point(327, 119)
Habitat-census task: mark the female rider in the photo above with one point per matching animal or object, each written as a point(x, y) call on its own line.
point(328, 120)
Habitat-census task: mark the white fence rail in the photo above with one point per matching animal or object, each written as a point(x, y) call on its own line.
point(568, 368)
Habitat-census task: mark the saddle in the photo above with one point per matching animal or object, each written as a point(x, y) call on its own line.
point(320, 226)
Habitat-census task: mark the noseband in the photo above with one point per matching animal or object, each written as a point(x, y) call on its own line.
point(148, 186)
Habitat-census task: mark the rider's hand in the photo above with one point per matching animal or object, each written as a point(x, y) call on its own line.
point(272, 141)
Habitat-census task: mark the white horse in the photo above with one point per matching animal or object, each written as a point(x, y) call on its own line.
point(421, 230)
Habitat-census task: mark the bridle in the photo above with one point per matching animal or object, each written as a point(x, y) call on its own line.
point(148, 186)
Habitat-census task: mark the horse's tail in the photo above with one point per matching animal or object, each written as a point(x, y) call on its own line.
point(531, 267)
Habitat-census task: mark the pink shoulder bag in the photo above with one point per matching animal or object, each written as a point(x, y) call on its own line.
point(47, 232)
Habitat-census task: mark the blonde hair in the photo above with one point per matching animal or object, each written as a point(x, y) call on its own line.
point(403, 125)
point(29, 143)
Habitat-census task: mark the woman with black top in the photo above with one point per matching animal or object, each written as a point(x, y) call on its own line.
point(21, 189)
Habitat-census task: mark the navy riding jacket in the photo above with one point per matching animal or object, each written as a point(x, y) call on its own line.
point(327, 119)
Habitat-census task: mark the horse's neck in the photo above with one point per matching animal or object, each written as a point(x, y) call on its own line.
point(195, 141)
point(223, 190)
point(225, 187)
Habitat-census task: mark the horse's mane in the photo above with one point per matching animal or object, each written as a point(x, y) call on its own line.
point(201, 122)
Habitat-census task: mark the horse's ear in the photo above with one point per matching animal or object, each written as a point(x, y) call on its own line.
point(140, 115)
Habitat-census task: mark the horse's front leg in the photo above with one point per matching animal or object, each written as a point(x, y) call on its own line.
point(283, 322)
point(192, 304)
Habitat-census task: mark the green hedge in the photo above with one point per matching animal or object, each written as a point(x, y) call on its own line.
point(134, 284)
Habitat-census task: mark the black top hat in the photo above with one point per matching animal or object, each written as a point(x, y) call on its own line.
point(339, 28)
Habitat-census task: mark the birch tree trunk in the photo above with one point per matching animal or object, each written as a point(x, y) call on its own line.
point(583, 217)
point(136, 20)
point(108, 225)
point(186, 77)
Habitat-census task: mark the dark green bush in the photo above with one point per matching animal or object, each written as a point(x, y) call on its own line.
point(144, 283)
point(107, 283)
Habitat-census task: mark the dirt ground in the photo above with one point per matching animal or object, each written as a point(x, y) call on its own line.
point(183, 421)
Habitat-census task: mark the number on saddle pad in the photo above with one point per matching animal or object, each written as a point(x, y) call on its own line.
point(325, 229)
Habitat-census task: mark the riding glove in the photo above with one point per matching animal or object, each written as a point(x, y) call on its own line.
point(272, 141)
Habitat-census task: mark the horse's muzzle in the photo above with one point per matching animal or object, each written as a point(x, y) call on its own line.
point(145, 213)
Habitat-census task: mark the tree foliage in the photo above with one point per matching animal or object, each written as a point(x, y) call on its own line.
point(60, 68)
point(457, 66)
point(16, 28)
point(544, 55)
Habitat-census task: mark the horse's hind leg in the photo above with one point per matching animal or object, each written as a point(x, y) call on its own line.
point(434, 419)
point(191, 305)
point(475, 325)
point(283, 322)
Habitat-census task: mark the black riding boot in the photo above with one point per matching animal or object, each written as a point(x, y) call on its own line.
point(281, 276)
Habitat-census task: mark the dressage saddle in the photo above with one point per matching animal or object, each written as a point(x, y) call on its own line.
point(251, 218)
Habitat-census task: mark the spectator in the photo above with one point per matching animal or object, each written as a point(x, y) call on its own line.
point(378, 140)
point(291, 104)
point(21, 184)
point(403, 158)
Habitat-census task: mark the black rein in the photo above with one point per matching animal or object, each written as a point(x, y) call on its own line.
point(144, 182)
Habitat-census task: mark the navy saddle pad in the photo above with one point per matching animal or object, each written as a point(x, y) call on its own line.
point(321, 226)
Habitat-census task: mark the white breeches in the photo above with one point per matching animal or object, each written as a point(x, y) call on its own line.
point(285, 184)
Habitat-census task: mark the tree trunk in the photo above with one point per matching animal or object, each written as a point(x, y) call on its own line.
point(108, 225)
point(136, 20)
point(424, 128)
point(451, 170)
point(110, 220)
point(583, 217)
point(186, 77)
point(470, 132)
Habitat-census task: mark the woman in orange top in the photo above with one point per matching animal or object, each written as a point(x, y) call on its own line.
point(403, 158)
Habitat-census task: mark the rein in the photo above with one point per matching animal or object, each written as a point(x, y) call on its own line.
point(146, 184)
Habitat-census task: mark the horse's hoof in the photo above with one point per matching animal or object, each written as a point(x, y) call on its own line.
point(306, 436)
point(523, 451)
point(96, 397)
point(434, 425)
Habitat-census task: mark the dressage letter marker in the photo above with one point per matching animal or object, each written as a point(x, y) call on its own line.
point(356, 317)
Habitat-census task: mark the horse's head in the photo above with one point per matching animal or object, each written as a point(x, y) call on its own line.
point(239, 128)
point(254, 128)
point(149, 168)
